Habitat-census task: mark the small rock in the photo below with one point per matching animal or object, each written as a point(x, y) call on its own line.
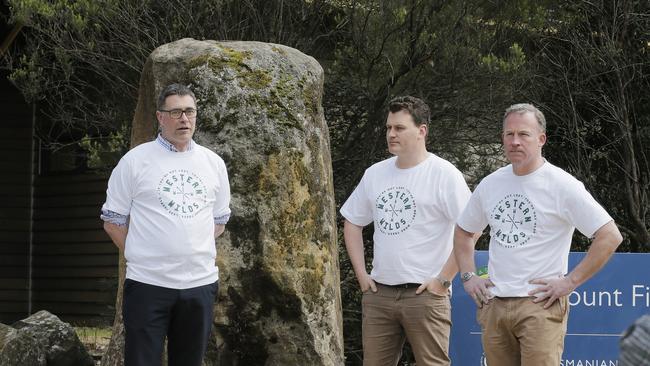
point(41, 339)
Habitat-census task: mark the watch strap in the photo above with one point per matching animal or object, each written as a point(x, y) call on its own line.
point(444, 282)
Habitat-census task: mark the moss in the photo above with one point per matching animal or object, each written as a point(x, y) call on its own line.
point(228, 119)
point(309, 261)
point(296, 233)
point(235, 61)
point(237, 56)
point(279, 50)
point(310, 94)
point(313, 275)
point(231, 58)
point(284, 88)
point(234, 103)
point(276, 109)
point(256, 79)
point(312, 284)
point(285, 91)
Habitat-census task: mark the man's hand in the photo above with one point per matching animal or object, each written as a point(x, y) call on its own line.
point(354, 244)
point(551, 289)
point(218, 230)
point(433, 285)
point(606, 240)
point(479, 290)
point(366, 282)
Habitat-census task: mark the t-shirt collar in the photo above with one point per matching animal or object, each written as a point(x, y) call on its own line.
point(169, 146)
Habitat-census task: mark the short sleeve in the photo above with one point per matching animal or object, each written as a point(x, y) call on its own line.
point(454, 195)
point(473, 218)
point(119, 194)
point(357, 209)
point(221, 210)
point(582, 210)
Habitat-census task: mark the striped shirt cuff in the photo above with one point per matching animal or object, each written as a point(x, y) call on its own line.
point(121, 220)
point(114, 218)
point(221, 220)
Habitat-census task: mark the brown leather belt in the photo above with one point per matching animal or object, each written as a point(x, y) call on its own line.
point(403, 285)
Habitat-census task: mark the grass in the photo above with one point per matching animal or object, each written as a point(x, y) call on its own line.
point(94, 339)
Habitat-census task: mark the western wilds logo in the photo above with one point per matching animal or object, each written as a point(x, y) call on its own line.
point(395, 210)
point(182, 193)
point(513, 221)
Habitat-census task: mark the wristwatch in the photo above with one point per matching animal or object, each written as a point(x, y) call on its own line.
point(465, 276)
point(444, 282)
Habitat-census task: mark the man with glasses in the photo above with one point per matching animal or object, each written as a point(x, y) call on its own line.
point(167, 201)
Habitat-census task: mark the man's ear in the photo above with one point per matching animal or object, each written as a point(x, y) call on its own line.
point(542, 139)
point(159, 117)
point(424, 130)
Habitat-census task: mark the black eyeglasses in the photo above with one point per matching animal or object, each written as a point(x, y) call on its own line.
point(177, 113)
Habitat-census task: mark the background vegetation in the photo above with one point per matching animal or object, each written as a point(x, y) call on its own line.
point(586, 64)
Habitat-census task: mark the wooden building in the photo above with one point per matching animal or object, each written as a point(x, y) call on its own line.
point(54, 254)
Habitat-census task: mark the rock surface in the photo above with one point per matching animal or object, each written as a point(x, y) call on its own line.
point(260, 109)
point(41, 339)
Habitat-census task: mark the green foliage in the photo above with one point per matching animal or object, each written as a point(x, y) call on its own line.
point(592, 76)
point(104, 153)
point(80, 60)
point(516, 60)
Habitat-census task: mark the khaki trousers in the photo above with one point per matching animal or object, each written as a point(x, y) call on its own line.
point(393, 315)
point(519, 332)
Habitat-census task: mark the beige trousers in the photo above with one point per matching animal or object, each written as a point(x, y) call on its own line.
point(393, 315)
point(518, 332)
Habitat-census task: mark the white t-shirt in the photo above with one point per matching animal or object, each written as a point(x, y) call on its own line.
point(532, 219)
point(172, 199)
point(414, 211)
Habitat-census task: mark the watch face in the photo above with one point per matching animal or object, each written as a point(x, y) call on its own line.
point(466, 276)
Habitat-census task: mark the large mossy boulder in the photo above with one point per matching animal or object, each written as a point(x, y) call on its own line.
point(260, 109)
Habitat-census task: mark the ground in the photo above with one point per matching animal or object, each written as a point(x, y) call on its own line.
point(95, 340)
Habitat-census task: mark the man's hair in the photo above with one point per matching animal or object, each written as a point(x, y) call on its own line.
point(416, 107)
point(524, 108)
point(173, 89)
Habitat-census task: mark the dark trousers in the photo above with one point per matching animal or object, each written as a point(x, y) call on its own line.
point(152, 312)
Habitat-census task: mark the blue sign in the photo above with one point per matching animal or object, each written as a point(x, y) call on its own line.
point(601, 310)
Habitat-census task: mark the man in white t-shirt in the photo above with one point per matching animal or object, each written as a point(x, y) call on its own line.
point(167, 201)
point(414, 199)
point(532, 208)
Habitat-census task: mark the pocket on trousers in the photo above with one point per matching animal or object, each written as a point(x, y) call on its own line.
point(559, 309)
point(434, 294)
point(481, 313)
point(370, 292)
